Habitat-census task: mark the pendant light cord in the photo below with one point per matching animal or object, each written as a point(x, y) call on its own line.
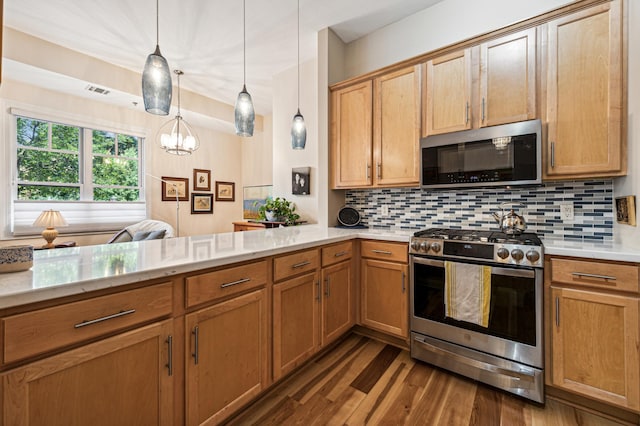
point(244, 44)
point(298, 55)
point(157, 22)
point(178, 72)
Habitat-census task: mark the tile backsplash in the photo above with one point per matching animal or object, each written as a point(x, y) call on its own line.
point(415, 208)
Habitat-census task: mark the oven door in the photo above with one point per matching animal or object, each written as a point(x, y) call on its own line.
point(515, 314)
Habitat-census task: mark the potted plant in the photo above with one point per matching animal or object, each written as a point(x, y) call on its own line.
point(279, 210)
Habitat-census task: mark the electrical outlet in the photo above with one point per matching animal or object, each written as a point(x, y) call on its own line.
point(384, 210)
point(566, 212)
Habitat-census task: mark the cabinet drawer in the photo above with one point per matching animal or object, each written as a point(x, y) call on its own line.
point(40, 331)
point(294, 264)
point(396, 252)
point(336, 253)
point(595, 274)
point(225, 282)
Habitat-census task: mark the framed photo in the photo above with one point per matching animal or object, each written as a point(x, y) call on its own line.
point(201, 180)
point(172, 186)
point(300, 184)
point(253, 198)
point(626, 210)
point(225, 191)
point(201, 203)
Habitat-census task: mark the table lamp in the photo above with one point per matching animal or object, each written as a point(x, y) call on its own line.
point(49, 219)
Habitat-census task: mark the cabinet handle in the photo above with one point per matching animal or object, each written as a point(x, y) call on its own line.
point(301, 264)
point(328, 287)
point(243, 280)
point(379, 170)
point(108, 317)
point(466, 113)
point(340, 253)
point(483, 103)
point(602, 277)
point(195, 355)
point(170, 355)
point(403, 286)
point(368, 171)
point(557, 311)
point(382, 252)
point(318, 290)
point(553, 154)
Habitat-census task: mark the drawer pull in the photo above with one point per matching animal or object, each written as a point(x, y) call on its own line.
point(170, 355)
point(602, 277)
point(382, 252)
point(340, 253)
point(301, 264)
point(108, 317)
point(243, 280)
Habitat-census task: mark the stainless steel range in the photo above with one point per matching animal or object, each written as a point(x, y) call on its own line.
point(476, 306)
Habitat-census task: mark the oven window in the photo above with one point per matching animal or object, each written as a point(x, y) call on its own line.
point(512, 310)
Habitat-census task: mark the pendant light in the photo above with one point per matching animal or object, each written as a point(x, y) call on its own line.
point(298, 128)
point(176, 136)
point(244, 113)
point(156, 78)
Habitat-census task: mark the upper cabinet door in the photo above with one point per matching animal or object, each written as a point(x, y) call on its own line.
point(448, 93)
point(397, 128)
point(584, 83)
point(508, 79)
point(352, 137)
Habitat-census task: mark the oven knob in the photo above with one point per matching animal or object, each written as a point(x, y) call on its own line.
point(424, 246)
point(415, 245)
point(533, 256)
point(435, 247)
point(517, 254)
point(502, 253)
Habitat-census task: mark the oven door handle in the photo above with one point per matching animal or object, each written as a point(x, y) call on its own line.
point(516, 375)
point(428, 262)
point(495, 270)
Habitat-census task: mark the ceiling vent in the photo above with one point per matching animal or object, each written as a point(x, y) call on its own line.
point(98, 90)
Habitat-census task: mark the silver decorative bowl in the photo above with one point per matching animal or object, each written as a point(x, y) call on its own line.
point(16, 258)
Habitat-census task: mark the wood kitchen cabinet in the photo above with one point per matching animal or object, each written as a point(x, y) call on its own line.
point(384, 287)
point(121, 380)
point(595, 330)
point(227, 340)
point(375, 129)
point(585, 80)
point(337, 277)
point(484, 85)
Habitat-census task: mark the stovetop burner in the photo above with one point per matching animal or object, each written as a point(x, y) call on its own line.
point(498, 247)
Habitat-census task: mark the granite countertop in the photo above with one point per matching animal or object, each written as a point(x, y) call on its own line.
point(76, 270)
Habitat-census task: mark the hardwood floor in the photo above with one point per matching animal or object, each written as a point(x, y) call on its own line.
point(363, 381)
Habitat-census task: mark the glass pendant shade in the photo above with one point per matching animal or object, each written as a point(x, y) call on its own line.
point(156, 84)
point(245, 115)
point(298, 132)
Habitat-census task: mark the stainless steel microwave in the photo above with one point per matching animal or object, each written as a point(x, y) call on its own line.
point(504, 155)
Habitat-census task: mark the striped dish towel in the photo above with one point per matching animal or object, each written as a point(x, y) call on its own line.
point(467, 292)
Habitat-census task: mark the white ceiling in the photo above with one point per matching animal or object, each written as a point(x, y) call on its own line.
point(203, 37)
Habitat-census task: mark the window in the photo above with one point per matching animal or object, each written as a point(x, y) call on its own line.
point(92, 175)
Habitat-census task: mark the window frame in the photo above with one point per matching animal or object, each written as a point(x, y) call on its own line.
point(85, 215)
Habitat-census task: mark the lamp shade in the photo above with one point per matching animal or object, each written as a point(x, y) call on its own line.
point(156, 84)
point(298, 132)
point(50, 219)
point(245, 115)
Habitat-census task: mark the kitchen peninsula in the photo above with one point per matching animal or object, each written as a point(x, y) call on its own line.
point(200, 306)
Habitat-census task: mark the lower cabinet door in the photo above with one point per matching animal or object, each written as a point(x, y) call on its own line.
point(595, 345)
point(227, 357)
point(337, 301)
point(384, 290)
point(122, 380)
point(295, 322)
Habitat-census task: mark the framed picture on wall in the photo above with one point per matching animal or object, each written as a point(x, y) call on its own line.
point(201, 203)
point(225, 191)
point(201, 180)
point(253, 198)
point(300, 183)
point(172, 186)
